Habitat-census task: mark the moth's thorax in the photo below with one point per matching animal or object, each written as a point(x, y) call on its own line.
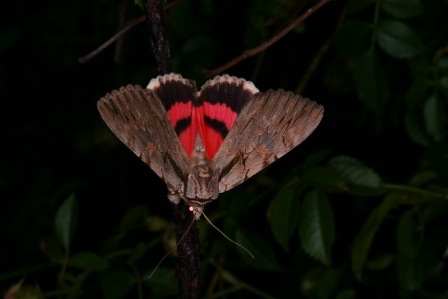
point(201, 186)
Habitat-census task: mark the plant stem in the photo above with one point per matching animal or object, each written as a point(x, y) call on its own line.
point(416, 190)
point(375, 24)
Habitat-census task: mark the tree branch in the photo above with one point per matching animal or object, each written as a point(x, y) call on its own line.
point(123, 31)
point(160, 44)
point(188, 253)
point(318, 56)
point(248, 53)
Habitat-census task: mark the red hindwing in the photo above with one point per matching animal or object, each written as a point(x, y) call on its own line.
point(211, 112)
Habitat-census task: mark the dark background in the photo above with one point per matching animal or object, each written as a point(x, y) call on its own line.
point(54, 142)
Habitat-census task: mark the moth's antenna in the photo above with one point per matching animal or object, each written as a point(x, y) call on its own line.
point(171, 250)
point(241, 246)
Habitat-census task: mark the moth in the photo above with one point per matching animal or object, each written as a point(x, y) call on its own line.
point(202, 143)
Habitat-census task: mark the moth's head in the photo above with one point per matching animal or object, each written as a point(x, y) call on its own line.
point(201, 187)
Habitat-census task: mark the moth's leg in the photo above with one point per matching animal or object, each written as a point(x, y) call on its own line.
point(174, 196)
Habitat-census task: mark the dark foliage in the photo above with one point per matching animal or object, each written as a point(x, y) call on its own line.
point(359, 210)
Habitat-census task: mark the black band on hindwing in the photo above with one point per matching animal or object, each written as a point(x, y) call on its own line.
point(182, 125)
point(172, 92)
point(234, 96)
point(217, 125)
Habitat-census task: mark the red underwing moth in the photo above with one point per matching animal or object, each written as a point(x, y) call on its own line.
point(202, 143)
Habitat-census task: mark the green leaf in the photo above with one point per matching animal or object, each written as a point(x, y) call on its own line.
point(397, 39)
point(264, 255)
point(360, 179)
point(316, 158)
point(65, 221)
point(407, 243)
point(352, 39)
point(88, 261)
point(283, 214)
point(414, 125)
point(117, 284)
point(442, 64)
point(138, 251)
point(324, 177)
point(420, 68)
point(370, 82)
point(329, 282)
point(156, 224)
point(139, 3)
point(363, 240)
point(316, 226)
point(409, 272)
point(418, 90)
point(236, 202)
point(162, 281)
point(443, 85)
point(380, 263)
point(134, 217)
point(402, 9)
point(435, 118)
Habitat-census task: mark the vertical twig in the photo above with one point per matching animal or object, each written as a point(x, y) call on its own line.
point(187, 269)
point(188, 253)
point(157, 35)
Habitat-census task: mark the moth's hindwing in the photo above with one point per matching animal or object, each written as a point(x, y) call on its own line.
point(137, 117)
point(219, 102)
point(269, 125)
point(178, 96)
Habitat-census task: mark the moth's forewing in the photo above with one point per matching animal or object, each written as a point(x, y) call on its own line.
point(137, 117)
point(269, 125)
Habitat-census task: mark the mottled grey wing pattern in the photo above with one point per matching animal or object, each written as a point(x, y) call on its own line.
point(137, 117)
point(269, 125)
